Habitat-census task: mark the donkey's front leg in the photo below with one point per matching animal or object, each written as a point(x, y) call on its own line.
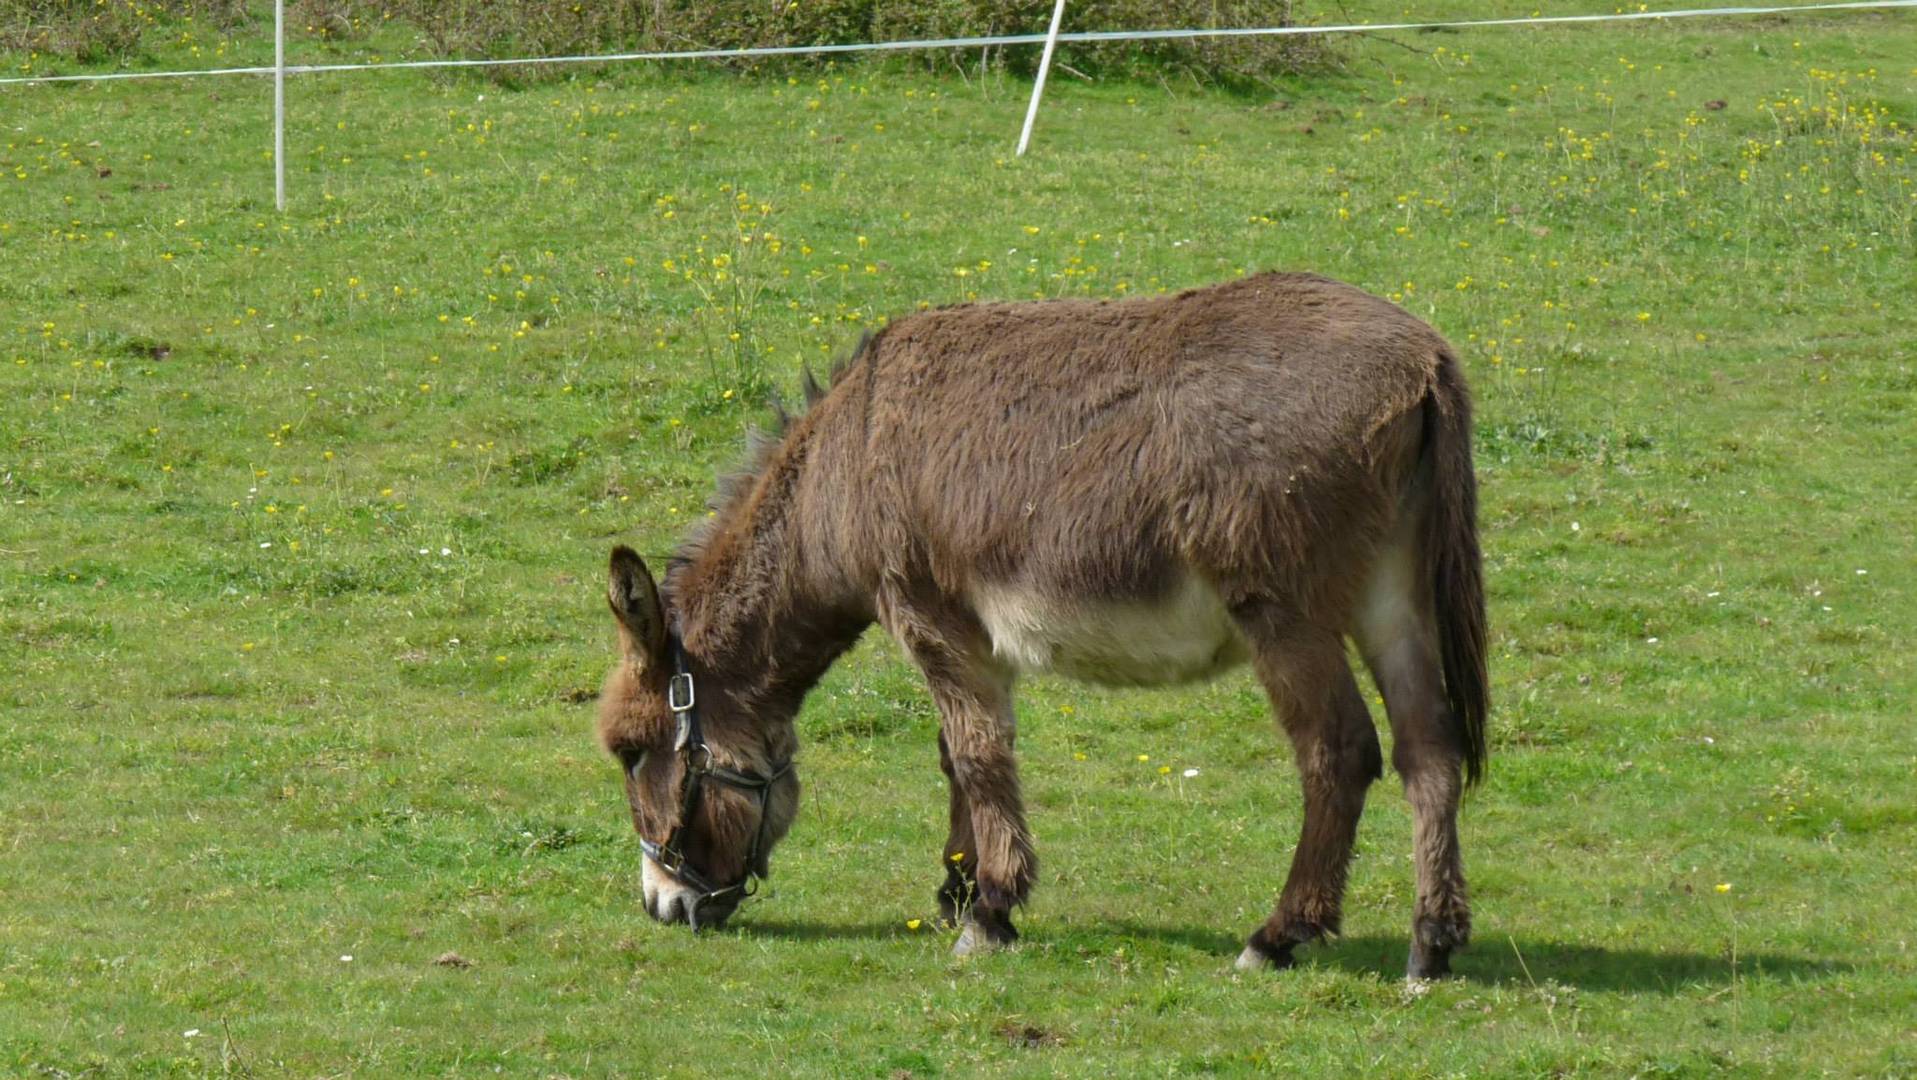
point(973, 691)
point(961, 852)
point(977, 722)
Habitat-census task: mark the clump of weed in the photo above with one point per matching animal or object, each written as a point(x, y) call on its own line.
point(104, 33)
point(731, 266)
point(332, 20)
point(538, 837)
point(1796, 806)
point(542, 465)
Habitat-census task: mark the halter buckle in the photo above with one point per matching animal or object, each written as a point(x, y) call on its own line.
point(666, 855)
point(679, 695)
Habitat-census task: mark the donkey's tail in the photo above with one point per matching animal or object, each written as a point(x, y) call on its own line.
point(1451, 542)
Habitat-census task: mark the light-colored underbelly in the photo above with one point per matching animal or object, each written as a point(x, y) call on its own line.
point(1185, 635)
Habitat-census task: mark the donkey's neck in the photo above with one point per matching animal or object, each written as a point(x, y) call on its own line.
point(751, 601)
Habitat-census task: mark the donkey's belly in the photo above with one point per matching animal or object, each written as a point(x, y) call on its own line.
point(1185, 635)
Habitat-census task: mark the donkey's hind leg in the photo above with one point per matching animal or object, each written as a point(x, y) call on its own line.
point(1303, 670)
point(1398, 635)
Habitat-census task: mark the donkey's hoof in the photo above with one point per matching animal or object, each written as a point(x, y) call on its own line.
point(1257, 958)
point(985, 932)
point(1427, 963)
point(971, 941)
point(975, 941)
point(1253, 960)
point(1431, 943)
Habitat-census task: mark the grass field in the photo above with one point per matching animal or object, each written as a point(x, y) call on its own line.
point(303, 520)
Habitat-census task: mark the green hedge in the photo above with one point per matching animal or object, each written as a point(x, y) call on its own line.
point(102, 31)
point(105, 31)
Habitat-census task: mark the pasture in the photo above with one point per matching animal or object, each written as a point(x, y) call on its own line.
point(304, 520)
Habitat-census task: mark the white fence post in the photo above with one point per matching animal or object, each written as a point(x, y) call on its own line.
point(1044, 65)
point(279, 104)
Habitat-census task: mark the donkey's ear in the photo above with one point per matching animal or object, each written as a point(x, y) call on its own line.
point(635, 603)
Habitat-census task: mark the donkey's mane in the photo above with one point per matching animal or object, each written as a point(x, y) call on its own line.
point(762, 445)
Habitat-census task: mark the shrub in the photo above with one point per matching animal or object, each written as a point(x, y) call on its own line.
point(533, 27)
point(107, 32)
point(112, 31)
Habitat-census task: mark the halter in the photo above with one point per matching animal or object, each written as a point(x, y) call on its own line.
point(682, 699)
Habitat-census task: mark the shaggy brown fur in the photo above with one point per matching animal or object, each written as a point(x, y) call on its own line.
point(1299, 447)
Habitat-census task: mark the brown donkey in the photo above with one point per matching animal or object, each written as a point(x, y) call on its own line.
point(1137, 492)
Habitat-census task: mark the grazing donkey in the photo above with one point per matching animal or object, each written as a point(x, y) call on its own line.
point(1137, 492)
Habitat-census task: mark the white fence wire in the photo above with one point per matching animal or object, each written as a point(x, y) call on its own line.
point(280, 69)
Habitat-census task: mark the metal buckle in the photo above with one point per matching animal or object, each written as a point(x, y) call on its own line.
point(675, 700)
point(669, 860)
point(699, 759)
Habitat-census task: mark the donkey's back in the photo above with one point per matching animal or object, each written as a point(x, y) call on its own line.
point(1105, 482)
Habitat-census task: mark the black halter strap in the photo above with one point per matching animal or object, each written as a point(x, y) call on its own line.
point(683, 699)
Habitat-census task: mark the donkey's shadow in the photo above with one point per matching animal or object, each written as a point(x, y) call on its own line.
point(1499, 958)
point(1492, 959)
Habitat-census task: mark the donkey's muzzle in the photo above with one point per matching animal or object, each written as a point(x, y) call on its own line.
point(701, 912)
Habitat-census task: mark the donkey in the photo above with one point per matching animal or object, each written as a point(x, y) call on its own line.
point(1133, 492)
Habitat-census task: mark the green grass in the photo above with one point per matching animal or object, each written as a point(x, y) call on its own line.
point(302, 523)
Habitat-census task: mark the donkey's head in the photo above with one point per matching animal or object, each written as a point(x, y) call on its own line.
point(708, 796)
